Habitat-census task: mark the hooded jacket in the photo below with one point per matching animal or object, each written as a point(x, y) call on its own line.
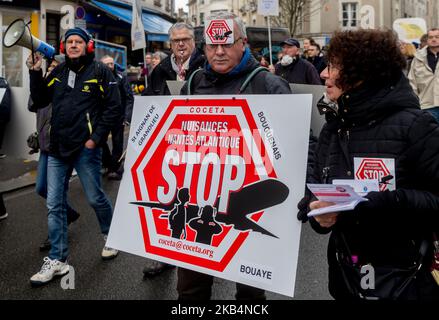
point(87, 111)
point(383, 123)
point(157, 85)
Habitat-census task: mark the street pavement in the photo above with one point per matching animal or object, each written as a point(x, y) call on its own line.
point(26, 227)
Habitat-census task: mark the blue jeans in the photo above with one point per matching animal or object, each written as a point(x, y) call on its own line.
point(41, 181)
point(435, 113)
point(88, 166)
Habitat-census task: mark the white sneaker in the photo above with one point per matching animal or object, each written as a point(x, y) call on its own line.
point(4, 216)
point(108, 253)
point(49, 270)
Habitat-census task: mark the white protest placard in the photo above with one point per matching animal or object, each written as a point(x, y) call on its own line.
point(175, 86)
point(2, 93)
point(410, 29)
point(219, 31)
point(317, 120)
point(268, 7)
point(137, 29)
point(211, 184)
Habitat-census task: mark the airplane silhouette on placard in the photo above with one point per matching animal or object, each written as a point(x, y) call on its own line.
point(250, 199)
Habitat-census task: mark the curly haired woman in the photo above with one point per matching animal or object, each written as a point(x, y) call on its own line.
point(382, 249)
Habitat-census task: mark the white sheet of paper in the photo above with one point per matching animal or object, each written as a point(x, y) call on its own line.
point(362, 187)
point(344, 197)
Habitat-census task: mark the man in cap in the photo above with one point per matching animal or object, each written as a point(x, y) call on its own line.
point(85, 105)
point(293, 68)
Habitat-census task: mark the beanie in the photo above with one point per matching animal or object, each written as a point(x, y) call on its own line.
point(79, 32)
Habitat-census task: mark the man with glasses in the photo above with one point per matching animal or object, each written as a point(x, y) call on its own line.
point(423, 75)
point(185, 58)
point(183, 61)
point(228, 68)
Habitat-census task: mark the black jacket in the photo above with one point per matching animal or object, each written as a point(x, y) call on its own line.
point(300, 72)
point(43, 124)
point(386, 230)
point(210, 82)
point(126, 96)
point(87, 111)
point(157, 85)
point(5, 101)
point(320, 65)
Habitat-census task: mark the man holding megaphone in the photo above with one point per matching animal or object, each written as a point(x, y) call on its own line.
point(85, 105)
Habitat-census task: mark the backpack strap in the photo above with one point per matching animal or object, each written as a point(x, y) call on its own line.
point(250, 78)
point(241, 89)
point(189, 82)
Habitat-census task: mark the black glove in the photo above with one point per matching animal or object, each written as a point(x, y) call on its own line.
point(304, 209)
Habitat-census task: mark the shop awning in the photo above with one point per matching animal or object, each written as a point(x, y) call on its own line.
point(155, 26)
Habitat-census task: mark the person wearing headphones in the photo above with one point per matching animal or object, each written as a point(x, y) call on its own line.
point(293, 68)
point(85, 105)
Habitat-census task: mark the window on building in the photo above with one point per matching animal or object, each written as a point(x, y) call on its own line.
point(214, 12)
point(158, 3)
point(349, 14)
point(53, 36)
point(202, 18)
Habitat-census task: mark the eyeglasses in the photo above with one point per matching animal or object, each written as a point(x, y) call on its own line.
point(227, 46)
point(183, 40)
point(433, 37)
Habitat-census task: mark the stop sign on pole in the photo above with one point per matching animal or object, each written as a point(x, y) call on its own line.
point(210, 184)
point(219, 31)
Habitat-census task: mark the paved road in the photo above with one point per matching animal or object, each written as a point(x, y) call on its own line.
point(26, 226)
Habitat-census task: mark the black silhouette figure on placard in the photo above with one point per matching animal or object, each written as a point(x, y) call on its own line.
point(178, 215)
point(250, 199)
point(223, 36)
point(205, 225)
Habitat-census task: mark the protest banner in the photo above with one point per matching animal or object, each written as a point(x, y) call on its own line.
point(212, 184)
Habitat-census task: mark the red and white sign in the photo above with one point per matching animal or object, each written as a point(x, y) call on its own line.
point(210, 184)
point(219, 31)
point(376, 169)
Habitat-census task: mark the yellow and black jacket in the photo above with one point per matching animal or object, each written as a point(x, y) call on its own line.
point(86, 111)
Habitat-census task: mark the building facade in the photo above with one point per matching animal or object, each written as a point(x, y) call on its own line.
point(322, 17)
point(199, 10)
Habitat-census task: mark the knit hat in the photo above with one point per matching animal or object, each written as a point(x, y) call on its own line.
point(79, 32)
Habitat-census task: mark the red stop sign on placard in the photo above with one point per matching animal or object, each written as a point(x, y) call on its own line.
point(372, 169)
point(216, 31)
point(154, 175)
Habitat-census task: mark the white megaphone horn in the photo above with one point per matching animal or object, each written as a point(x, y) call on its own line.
point(19, 34)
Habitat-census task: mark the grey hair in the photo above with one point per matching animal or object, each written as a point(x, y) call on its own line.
point(179, 26)
point(159, 54)
point(106, 56)
point(227, 15)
